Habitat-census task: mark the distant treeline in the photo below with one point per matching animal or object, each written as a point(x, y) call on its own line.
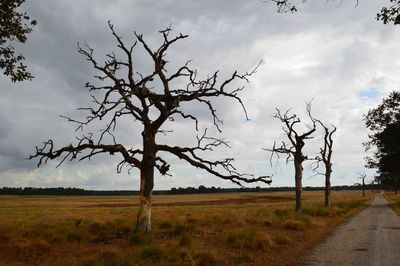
point(188, 190)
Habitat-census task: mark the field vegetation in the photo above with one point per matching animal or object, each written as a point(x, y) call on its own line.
point(206, 229)
point(394, 200)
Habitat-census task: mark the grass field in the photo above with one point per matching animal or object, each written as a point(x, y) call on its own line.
point(394, 200)
point(206, 229)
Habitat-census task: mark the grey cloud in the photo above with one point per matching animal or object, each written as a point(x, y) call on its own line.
point(325, 51)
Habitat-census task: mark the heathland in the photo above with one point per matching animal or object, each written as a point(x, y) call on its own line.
point(198, 229)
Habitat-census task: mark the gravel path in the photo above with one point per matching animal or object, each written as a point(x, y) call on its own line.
point(372, 237)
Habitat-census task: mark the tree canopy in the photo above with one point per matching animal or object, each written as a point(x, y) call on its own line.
point(384, 123)
point(14, 27)
point(389, 13)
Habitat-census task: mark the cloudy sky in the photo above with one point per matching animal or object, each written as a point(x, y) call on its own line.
point(337, 55)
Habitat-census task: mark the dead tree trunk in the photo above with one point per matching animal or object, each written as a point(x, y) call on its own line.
point(298, 175)
point(328, 172)
point(363, 187)
point(143, 223)
point(326, 157)
point(362, 176)
point(294, 148)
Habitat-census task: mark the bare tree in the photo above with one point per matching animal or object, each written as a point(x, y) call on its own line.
point(150, 99)
point(325, 156)
point(362, 177)
point(294, 148)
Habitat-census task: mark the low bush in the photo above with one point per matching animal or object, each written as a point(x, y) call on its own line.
point(294, 225)
point(165, 225)
point(281, 239)
point(152, 252)
point(241, 238)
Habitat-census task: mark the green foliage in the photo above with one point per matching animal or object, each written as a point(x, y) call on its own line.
point(390, 14)
point(384, 122)
point(14, 26)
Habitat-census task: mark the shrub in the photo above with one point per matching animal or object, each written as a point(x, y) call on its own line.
point(74, 236)
point(281, 239)
point(293, 225)
point(151, 252)
point(78, 222)
point(185, 241)
point(135, 239)
point(165, 225)
point(241, 238)
point(316, 211)
point(242, 257)
point(181, 229)
point(102, 230)
point(281, 213)
point(206, 259)
point(109, 258)
point(176, 254)
point(268, 223)
point(262, 241)
point(190, 220)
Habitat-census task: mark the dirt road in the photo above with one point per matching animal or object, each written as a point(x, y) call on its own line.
point(372, 237)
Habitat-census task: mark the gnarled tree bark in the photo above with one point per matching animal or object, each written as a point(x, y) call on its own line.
point(325, 156)
point(294, 148)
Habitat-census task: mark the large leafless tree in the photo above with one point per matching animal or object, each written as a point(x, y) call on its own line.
point(293, 148)
point(150, 100)
point(325, 156)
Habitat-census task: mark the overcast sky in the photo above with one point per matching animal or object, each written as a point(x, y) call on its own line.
point(337, 55)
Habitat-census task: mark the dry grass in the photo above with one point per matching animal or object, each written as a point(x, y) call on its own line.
point(207, 229)
point(394, 200)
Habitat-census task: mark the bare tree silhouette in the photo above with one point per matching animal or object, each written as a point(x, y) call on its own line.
point(150, 99)
point(294, 148)
point(325, 156)
point(362, 177)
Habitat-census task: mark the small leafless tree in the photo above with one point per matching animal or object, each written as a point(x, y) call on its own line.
point(294, 148)
point(151, 100)
point(325, 156)
point(362, 177)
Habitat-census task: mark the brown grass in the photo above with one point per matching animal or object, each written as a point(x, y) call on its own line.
point(394, 200)
point(207, 229)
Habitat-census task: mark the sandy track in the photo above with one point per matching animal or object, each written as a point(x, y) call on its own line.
point(372, 237)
